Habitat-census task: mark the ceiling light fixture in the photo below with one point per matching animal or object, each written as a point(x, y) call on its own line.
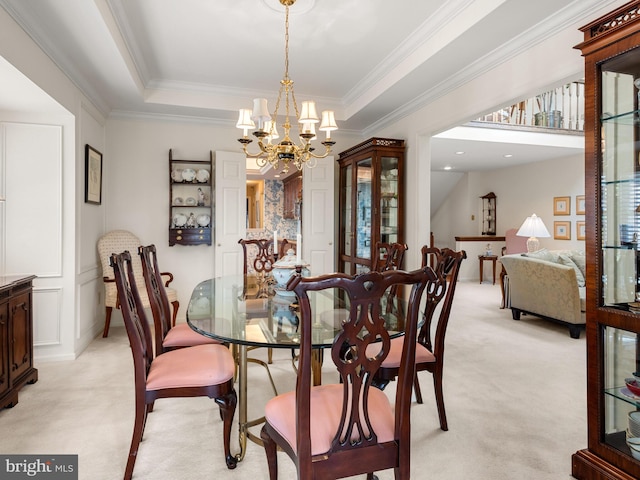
point(448, 167)
point(287, 151)
point(507, 155)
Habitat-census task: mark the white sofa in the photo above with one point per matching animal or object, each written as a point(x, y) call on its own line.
point(548, 284)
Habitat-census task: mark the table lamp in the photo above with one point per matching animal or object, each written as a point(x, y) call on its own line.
point(533, 227)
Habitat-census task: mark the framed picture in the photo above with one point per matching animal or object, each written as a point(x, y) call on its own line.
point(580, 206)
point(92, 175)
point(562, 230)
point(581, 233)
point(562, 205)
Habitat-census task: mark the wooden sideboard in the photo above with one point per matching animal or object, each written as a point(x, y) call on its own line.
point(16, 337)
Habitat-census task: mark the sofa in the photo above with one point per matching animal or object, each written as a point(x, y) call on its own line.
point(549, 284)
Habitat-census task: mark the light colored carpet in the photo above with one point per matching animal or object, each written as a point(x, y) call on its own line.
point(514, 394)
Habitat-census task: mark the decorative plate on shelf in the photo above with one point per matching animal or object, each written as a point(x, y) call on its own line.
point(190, 201)
point(178, 201)
point(176, 175)
point(202, 176)
point(180, 220)
point(188, 174)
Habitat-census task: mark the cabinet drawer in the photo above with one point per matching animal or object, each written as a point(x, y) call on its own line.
point(190, 236)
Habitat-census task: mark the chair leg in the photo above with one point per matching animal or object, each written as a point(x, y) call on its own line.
point(416, 389)
point(271, 449)
point(227, 405)
point(107, 322)
point(138, 430)
point(270, 356)
point(437, 384)
point(176, 305)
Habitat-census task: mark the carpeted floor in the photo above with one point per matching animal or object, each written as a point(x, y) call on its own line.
point(515, 394)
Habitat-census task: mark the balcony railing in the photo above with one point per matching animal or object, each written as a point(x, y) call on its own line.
point(561, 108)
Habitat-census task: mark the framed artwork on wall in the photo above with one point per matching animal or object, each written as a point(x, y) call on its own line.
point(562, 205)
point(92, 175)
point(580, 206)
point(580, 231)
point(562, 230)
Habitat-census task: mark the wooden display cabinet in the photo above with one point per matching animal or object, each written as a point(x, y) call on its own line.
point(292, 186)
point(16, 337)
point(371, 201)
point(190, 201)
point(611, 49)
point(489, 214)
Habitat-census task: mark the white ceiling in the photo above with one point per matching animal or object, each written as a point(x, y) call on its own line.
point(372, 61)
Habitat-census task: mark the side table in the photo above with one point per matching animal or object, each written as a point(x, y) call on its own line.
point(493, 259)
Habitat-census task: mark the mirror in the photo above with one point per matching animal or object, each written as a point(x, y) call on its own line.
point(255, 204)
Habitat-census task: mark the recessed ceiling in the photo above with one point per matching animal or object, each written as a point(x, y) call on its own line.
point(371, 61)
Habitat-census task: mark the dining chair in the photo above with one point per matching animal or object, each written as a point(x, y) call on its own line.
point(117, 241)
point(166, 337)
point(348, 428)
point(429, 347)
point(259, 258)
point(389, 256)
point(203, 370)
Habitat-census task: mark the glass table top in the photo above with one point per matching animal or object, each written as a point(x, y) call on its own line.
point(246, 311)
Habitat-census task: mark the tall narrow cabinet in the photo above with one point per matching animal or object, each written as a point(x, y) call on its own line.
point(611, 49)
point(371, 201)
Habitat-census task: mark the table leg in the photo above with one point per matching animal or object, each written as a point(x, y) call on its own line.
point(317, 356)
point(242, 401)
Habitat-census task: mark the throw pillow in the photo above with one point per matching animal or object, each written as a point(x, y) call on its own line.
point(543, 254)
point(580, 259)
point(565, 260)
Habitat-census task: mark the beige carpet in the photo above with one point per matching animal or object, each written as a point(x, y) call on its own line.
point(514, 393)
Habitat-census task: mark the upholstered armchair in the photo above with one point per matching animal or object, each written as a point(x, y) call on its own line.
point(117, 241)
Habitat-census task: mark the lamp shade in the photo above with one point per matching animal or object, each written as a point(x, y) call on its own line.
point(533, 226)
point(260, 113)
point(308, 113)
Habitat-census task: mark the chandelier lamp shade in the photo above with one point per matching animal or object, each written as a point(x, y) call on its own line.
point(265, 128)
point(533, 227)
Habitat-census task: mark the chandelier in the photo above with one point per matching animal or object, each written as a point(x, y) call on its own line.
point(286, 151)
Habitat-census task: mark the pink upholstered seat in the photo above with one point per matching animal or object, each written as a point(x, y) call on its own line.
point(191, 367)
point(395, 353)
point(280, 412)
point(346, 429)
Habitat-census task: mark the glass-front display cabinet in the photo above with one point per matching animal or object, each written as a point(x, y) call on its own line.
point(371, 201)
point(611, 49)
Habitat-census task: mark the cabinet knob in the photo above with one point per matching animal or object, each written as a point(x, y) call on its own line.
point(179, 237)
point(179, 232)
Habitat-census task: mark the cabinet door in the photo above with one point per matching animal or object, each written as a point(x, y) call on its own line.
point(4, 348)
point(20, 352)
point(389, 200)
point(363, 214)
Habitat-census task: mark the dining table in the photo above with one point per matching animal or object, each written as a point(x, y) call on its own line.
point(247, 311)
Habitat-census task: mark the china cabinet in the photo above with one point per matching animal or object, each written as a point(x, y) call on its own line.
point(292, 186)
point(489, 214)
point(611, 49)
point(16, 337)
point(190, 201)
point(371, 201)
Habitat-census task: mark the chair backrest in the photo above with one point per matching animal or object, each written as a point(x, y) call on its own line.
point(135, 320)
point(261, 257)
point(117, 241)
point(363, 326)
point(447, 266)
point(513, 243)
point(157, 294)
point(285, 246)
point(388, 256)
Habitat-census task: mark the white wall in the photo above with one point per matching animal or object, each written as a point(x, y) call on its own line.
point(520, 191)
point(65, 317)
